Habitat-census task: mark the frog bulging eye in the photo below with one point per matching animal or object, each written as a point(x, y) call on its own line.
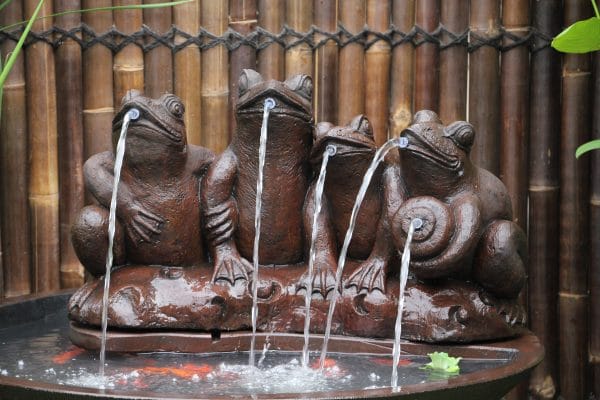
point(301, 84)
point(174, 105)
point(461, 133)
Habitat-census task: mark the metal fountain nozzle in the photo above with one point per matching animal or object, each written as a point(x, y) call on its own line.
point(270, 103)
point(331, 150)
point(134, 114)
point(403, 143)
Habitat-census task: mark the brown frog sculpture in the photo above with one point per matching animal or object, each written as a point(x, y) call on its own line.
point(355, 148)
point(467, 231)
point(229, 193)
point(158, 212)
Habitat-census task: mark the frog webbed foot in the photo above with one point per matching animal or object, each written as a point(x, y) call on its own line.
point(369, 276)
point(323, 279)
point(229, 266)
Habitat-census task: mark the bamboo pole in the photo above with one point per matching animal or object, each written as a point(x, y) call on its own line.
point(544, 196)
point(299, 58)
point(351, 85)
point(574, 196)
point(187, 66)
point(128, 67)
point(454, 16)
point(326, 63)
point(215, 82)
point(377, 70)
point(594, 349)
point(98, 107)
point(271, 60)
point(43, 160)
point(14, 214)
point(158, 62)
point(426, 96)
point(484, 88)
point(70, 141)
point(242, 19)
point(401, 107)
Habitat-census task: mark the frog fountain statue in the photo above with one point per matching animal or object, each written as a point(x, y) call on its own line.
point(184, 237)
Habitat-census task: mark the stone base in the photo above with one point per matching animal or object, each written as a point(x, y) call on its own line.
point(184, 299)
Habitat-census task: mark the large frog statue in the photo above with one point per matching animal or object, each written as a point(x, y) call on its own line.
point(355, 148)
point(467, 231)
point(229, 193)
point(158, 210)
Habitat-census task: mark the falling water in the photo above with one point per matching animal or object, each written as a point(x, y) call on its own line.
point(131, 115)
point(262, 150)
point(416, 223)
point(329, 151)
point(401, 142)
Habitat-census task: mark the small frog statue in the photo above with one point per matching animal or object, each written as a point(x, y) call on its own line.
point(467, 230)
point(371, 240)
point(229, 192)
point(158, 212)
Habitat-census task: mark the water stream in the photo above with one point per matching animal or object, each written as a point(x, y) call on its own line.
point(262, 150)
point(401, 142)
point(416, 223)
point(329, 151)
point(131, 115)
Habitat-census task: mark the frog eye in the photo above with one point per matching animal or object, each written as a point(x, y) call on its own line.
point(301, 84)
point(361, 124)
point(248, 78)
point(461, 133)
point(174, 105)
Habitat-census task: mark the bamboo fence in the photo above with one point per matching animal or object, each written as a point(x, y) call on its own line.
point(486, 61)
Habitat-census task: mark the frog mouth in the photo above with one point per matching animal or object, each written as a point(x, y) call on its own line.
point(343, 150)
point(423, 149)
point(149, 122)
point(283, 106)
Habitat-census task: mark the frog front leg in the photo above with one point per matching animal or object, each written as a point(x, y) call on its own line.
point(324, 266)
point(461, 245)
point(220, 216)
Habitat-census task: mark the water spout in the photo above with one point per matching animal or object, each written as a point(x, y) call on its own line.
point(262, 150)
point(401, 142)
point(415, 224)
point(329, 151)
point(132, 115)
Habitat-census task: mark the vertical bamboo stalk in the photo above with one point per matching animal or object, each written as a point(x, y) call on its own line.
point(484, 88)
point(187, 67)
point(299, 59)
point(14, 214)
point(215, 82)
point(401, 106)
point(98, 107)
point(70, 141)
point(594, 285)
point(454, 15)
point(544, 180)
point(43, 160)
point(574, 196)
point(351, 85)
point(158, 62)
point(128, 68)
point(427, 72)
point(515, 109)
point(377, 70)
point(326, 63)
point(271, 60)
point(242, 19)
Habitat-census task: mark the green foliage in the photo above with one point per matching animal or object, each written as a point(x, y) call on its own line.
point(442, 362)
point(581, 37)
point(584, 148)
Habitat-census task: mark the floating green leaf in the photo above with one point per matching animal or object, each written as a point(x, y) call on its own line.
point(441, 361)
point(584, 148)
point(581, 37)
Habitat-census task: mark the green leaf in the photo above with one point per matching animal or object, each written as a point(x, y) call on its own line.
point(4, 4)
point(441, 361)
point(581, 37)
point(584, 148)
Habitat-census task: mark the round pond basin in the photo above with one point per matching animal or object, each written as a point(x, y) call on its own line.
point(40, 360)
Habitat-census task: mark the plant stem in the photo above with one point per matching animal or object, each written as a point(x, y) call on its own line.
point(17, 50)
point(4, 4)
point(595, 8)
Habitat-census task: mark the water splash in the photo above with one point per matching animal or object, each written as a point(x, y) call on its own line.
point(416, 223)
point(262, 150)
point(131, 115)
point(329, 151)
point(401, 142)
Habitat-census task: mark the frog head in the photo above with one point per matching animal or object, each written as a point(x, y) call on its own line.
point(436, 159)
